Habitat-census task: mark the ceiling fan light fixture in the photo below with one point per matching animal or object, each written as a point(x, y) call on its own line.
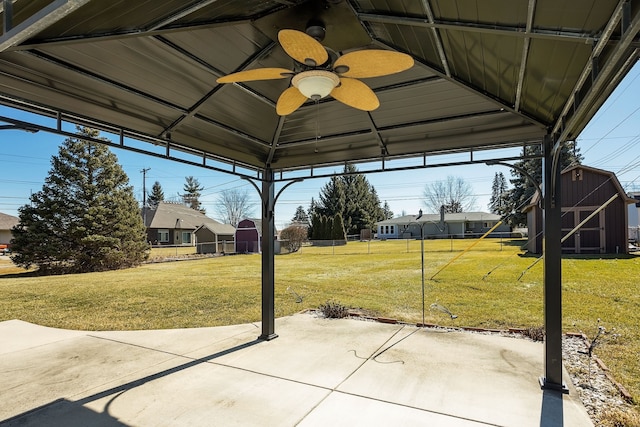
point(315, 84)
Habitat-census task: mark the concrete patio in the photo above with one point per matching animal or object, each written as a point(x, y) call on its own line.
point(318, 372)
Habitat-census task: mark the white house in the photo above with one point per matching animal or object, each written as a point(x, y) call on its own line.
point(444, 225)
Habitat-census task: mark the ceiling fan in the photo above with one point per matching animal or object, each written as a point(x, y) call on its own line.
point(320, 77)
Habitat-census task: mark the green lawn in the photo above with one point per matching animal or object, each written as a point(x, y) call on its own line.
point(380, 277)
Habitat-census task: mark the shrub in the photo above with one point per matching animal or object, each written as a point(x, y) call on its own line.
point(334, 310)
point(293, 236)
point(536, 333)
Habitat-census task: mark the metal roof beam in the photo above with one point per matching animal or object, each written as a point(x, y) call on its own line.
point(437, 38)
point(179, 14)
point(500, 30)
point(193, 110)
point(525, 54)
point(41, 20)
point(139, 150)
point(408, 168)
point(392, 127)
point(274, 142)
point(376, 134)
point(630, 28)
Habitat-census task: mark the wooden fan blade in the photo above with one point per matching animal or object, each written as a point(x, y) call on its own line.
point(302, 47)
point(257, 74)
point(373, 63)
point(290, 100)
point(355, 94)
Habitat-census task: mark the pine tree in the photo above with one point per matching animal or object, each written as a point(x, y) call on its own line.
point(497, 203)
point(191, 195)
point(300, 217)
point(85, 218)
point(155, 196)
point(523, 189)
point(337, 228)
point(332, 198)
point(353, 198)
point(387, 212)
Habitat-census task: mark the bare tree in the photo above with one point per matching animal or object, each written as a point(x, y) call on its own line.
point(234, 205)
point(455, 194)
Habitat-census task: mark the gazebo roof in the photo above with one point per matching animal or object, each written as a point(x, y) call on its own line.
point(497, 73)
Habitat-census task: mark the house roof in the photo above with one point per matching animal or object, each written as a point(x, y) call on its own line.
point(491, 74)
point(435, 218)
point(178, 216)
point(7, 222)
point(612, 176)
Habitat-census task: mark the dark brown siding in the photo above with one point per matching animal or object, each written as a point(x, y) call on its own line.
point(583, 191)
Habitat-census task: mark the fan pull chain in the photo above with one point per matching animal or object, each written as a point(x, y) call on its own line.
point(317, 125)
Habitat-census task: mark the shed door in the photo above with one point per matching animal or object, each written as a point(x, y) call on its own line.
point(590, 238)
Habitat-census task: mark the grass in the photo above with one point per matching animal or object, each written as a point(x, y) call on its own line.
point(481, 288)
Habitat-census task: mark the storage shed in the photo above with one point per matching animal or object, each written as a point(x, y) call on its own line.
point(249, 236)
point(584, 190)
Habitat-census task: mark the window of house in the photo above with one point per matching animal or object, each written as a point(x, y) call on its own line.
point(186, 237)
point(392, 229)
point(163, 236)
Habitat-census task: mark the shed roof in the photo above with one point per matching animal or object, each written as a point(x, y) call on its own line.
point(218, 228)
point(611, 176)
point(487, 74)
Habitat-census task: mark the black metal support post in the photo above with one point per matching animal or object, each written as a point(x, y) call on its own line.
point(268, 256)
point(552, 251)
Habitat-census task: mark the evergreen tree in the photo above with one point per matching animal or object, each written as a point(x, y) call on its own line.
point(300, 217)
point(316, 227)
point(337, 228)
point(85, 218)
point(155, 196)
point(191, 195)
point(523, 189)
point(353, 198)
point(386, 211)
point(332, 198)
point(497, 203)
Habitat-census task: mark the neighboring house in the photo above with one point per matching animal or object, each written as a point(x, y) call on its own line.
point(248, 238)
point(633, 213)
point(583, 190)
point(176, 224)
point(443, 225)
point(7, 222)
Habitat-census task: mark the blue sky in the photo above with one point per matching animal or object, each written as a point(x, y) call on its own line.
point(610, 141)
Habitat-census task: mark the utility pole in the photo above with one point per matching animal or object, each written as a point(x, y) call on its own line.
point(144, 194)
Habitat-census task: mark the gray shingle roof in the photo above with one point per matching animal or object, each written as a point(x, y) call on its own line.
point(449, 217)
point(174, 215)
point(7, 222)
